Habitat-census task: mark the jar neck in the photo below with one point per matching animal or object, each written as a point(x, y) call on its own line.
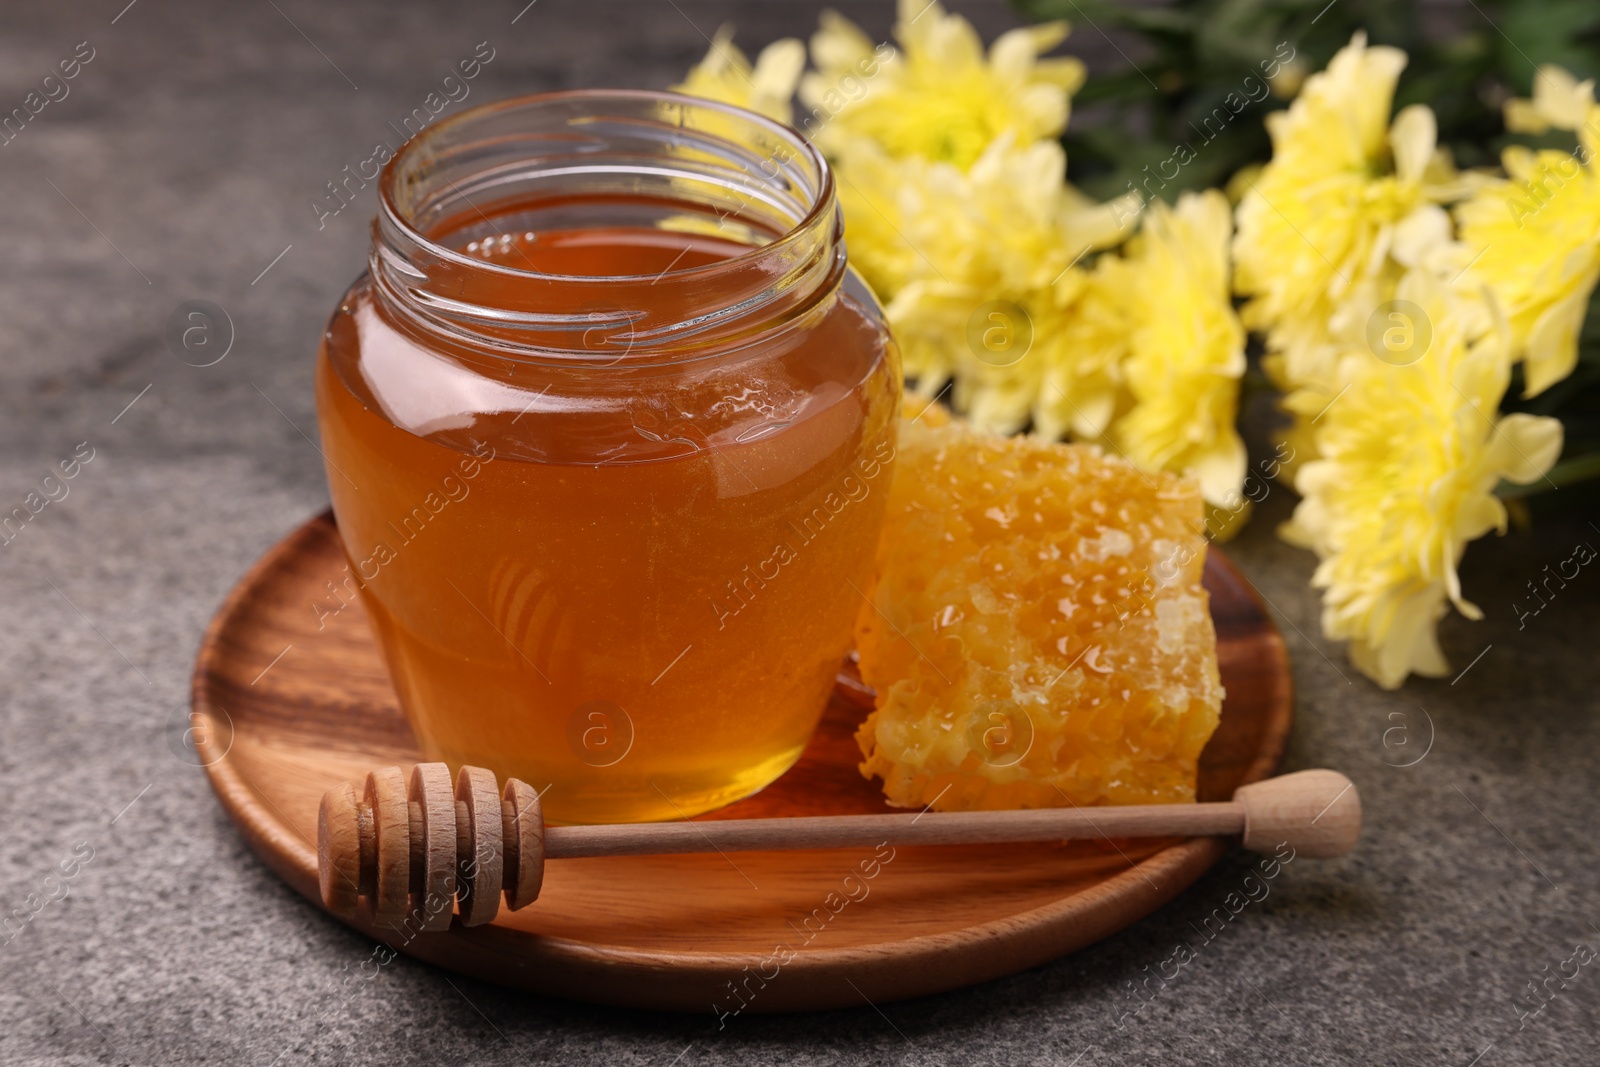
point(595, 160)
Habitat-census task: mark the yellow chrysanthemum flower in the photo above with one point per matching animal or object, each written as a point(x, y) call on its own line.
point(1535, 235)
point(1082, 388)
point(1316, 227)
point(978, 267)
point(938, 97)
point(1186, 348)
point(1410, 456)
point(725, 74)
point(879, 196)
point(1421, 241)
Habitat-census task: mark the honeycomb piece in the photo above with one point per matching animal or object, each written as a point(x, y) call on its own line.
point(1038, 635)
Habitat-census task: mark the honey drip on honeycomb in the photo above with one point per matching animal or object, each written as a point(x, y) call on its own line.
point(1038, 634)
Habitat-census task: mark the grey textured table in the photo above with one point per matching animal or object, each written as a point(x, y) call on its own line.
point(182, 166)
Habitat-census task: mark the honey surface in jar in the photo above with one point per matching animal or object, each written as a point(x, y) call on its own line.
point(630, 587)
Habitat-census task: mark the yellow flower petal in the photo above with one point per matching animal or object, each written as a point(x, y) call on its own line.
point(961, 257)
point(1186, 347)
point(1317, 225)
point(777, 72)
point(1413, 138)
point(725, 75)
point(938, 96)
point(1525, 447)
point(1559, 101)
point(1534, 237)
point(1410, 452)
point(839, 43)
point(1404, 641)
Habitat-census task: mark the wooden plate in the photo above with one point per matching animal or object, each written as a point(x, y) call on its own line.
point(290, 710)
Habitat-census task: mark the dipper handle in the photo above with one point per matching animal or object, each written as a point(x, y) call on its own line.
point(411, 847)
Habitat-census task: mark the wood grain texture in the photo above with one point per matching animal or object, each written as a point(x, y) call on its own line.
point(481, 819)
point(684, 932)
point(905, 828)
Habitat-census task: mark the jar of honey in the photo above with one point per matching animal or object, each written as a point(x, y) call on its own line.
point(609, 427)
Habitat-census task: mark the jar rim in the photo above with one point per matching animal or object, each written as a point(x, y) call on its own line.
point(821, 199)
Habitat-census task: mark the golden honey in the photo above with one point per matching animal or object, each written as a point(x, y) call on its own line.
point(605, 548)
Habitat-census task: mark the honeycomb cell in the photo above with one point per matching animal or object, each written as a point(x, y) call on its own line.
point(1038, 634)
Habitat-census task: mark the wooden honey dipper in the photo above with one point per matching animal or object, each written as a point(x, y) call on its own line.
point(412, 852)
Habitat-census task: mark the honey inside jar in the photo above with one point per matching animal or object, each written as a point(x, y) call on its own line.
point(625, 572)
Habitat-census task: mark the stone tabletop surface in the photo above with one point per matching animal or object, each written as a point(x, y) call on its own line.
point(183, 164)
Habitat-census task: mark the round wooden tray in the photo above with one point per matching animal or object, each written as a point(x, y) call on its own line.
point(291, 709)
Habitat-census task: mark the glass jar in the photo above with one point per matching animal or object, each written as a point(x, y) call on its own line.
point(609, 426)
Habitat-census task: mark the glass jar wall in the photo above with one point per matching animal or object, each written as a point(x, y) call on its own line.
point(609, 426)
